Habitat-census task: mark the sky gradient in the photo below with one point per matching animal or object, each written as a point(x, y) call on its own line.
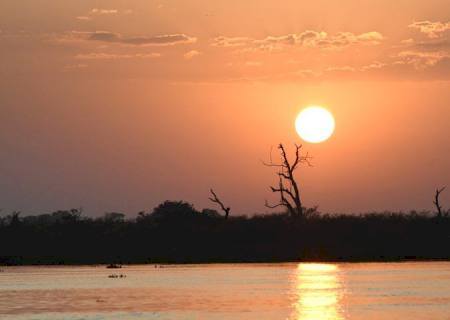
point(119, 105)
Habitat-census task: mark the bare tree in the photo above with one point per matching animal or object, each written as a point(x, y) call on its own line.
point(436, 202)
point(288, 187)
point(216, 199)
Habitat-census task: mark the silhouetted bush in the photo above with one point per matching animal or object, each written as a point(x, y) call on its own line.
point(175, 232)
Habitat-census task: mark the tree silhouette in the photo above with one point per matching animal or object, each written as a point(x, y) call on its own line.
point(114, 217)
point(440, 212)
point(178, 233)
point(288, 187)
point(13, 219)
point(174, 210)
point(67, 216)
point(216, 199)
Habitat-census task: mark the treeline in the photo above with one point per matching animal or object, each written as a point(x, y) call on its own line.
point(175, 232)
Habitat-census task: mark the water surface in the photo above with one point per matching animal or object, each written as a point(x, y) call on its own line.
point(229, 291)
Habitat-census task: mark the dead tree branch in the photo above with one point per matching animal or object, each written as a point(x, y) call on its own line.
point(288, 187)
point(216, 199)
point(436, 202)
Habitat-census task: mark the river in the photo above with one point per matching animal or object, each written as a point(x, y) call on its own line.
point(293, 291)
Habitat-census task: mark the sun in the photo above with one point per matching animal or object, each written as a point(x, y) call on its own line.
point(315, 124)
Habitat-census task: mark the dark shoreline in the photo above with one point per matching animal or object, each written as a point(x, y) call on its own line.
point(176, 233)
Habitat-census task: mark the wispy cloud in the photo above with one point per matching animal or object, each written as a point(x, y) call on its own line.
point(373, 66)
point(308, 38)
point(223, 41)
point(113, 56)
point(96, 11)
point(429, 52)
point(431, 29)
point(110, 37)
point(420, 59)
point(191, 54)
point(340, 68)
point(161, 40)
point(324, 40)
point(102, 12)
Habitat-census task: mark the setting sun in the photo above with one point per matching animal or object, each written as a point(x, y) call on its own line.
point(315, 124)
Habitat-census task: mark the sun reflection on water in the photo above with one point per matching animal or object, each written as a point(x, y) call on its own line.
point(318, 291)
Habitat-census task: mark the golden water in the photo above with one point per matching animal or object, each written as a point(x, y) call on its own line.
point(229, 291)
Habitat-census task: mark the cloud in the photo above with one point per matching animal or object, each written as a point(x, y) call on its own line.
point(162, 40)
point(308, 38)
point(410, 65)
point(276, 42)
point(373, 66)
point(436, 41)
point(431, 29)
point(370, 38)
point(102, 12)
point(421, 59)
point(409, 41)
point(231, 41)
point(105, 36)
point(405, 64)
point(376, 65)
point(191, 54)
point(344, 39)
point(113, 56)
point(96, 11)
point(431, 44)
point(340, 68)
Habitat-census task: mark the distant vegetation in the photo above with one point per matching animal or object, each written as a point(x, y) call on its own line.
point(174, 232)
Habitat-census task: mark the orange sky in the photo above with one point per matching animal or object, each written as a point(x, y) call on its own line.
point(119, 105)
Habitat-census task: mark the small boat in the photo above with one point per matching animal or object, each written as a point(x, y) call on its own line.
point(114, 266)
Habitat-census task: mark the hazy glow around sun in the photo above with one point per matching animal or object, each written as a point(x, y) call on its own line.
point(315, 124)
